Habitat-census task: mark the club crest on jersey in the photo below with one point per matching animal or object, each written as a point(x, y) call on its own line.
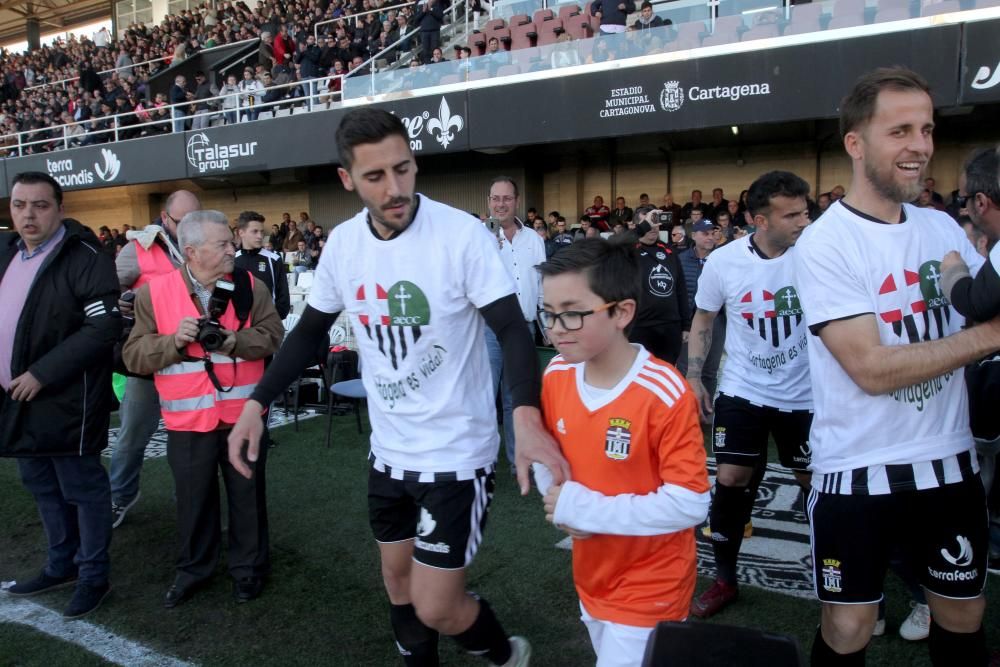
point(719, 437)
point(918, 310)
point(832, 576)
point(781, 315)
point(261, 267)
point(394, 317)
point(618, 439)
point(661, 281)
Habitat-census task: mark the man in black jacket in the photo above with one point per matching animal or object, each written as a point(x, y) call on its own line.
point(264, 264)
point(429, 19)
point(664, 314)
point(57, 328)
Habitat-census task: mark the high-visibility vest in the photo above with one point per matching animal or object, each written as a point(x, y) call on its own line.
point(188, 399)
point(152, 263)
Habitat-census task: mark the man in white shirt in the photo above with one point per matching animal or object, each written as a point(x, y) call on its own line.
point(765, 392)
point(893, 459)
point(521, 250)
point(419, 307)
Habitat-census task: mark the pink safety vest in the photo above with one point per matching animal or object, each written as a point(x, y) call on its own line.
point(188, 399)
point(152, 263)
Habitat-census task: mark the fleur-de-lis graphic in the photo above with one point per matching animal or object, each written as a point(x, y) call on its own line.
point(443, 124)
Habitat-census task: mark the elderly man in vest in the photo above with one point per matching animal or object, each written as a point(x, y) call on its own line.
point(203, 331)
point(150, 252)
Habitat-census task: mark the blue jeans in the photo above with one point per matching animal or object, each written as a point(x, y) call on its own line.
point(74, 502)
point(178, 116)
point(140, 416)
point(500, 384)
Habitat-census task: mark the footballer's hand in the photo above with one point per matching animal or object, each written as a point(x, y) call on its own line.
point(248, 429)
point(535, 445)
point(704, 400)
point(953, 261)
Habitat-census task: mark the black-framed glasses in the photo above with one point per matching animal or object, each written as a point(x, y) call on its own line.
point(571, 320)
point(172, 218)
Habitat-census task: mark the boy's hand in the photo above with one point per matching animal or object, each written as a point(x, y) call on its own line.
point(535, 445)
point(550, 500)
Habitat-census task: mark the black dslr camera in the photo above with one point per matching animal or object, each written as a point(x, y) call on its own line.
point(665, 218)
point(210, 334)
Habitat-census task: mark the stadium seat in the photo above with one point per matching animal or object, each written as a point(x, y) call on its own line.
point(549, 32)
point(542, 15)
point(720, 37)
point(688, 35)
point(494, 24)
point(478, 75)
point(508, 70)
point(503, 34)
point(566, 11)
point(522, 36)
point(848, 8)
point(477, 42)
point(595, 23)
point(942, 7)
point(761, 32)
point(518, 20)
point(578, 26)
point(450, 78)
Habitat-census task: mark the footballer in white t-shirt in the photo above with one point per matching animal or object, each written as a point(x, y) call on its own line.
point(893, 460)
point(765, 391)
point(417, 279)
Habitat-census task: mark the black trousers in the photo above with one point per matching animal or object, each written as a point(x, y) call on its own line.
point(662, 340)
point(195, 460)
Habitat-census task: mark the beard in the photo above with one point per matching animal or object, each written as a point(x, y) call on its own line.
point(376, 212)
point(884, 184)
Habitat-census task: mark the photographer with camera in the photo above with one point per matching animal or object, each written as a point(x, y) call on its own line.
point(664, 314)
point(203, 331)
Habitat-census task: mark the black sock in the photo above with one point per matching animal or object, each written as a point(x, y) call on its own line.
point(417, 643)
point(824, 656)
point(731, 508)
point(956, 648)
point(485, 636)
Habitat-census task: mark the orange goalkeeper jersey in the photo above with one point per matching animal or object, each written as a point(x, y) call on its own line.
point(640, 438)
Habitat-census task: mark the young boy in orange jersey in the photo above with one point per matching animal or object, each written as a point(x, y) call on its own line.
point(628, 425)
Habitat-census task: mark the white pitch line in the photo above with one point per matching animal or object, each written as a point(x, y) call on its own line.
point(99, 641)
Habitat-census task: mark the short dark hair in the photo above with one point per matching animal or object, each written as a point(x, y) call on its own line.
point(646, 3)
point(35, 177)
point(774, 184)
point(366, 126)
point(982, 173)
point(859, 106)
point(505, 179)
point(246, 217)
point(611, 268)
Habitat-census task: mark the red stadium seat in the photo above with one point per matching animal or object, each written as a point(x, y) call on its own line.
point(503, 34)
point(523, 36)
point(494, 24)
point(549, 32)
point(566, 11)
point(477, 42)
point(543, 15)
point(761, 32)
point(579, 27)
point(688, 35)
point(517, 20)
point(720, 37)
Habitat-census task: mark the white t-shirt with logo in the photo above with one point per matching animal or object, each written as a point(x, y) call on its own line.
point(848, 265)
point(766, 336)
point(413, 304)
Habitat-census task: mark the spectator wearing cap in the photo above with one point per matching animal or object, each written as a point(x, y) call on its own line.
point(692, 261)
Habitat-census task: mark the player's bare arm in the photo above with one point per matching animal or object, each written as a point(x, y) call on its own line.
point(699, 343)
point(879, 369)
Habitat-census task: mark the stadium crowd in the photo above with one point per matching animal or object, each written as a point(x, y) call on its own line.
point(84, 81)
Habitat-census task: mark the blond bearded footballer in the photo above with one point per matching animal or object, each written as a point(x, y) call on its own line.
point(893, 460)
point(419, 281)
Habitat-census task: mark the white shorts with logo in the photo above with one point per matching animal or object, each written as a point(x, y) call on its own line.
point(616, 645)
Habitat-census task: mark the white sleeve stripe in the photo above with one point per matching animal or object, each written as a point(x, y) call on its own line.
point(557, 367)
point(661, 382)
point(667, 373)
point(656, 389)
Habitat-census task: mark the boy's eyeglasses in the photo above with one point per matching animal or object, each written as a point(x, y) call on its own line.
point(571, 320)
